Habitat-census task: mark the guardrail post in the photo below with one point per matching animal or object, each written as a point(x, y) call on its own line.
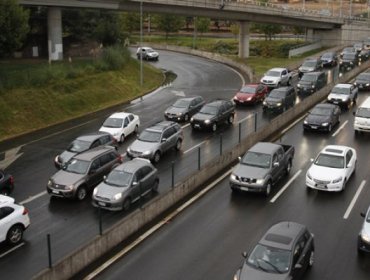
point(173, 174)
point(240, 132)
point(100, 222)
point(255, 121)
point(221, 144)
point(49, 250)
point(199, 158)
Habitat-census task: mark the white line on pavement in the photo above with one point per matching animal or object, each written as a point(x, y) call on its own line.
point(11, 250)
point(33, 197)
point(192, 148)
point(185, 125)
point(340, 128)
point(293, 124)
point(155, 228)
point(247, 117)
point(354, 199)
point(286, 186)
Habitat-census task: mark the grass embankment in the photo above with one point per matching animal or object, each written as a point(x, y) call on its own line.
point(35, 94)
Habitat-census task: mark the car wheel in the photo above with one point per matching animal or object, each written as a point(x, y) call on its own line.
point(81, 193)
point(214, 127)
point(178, 145)
point(126, 205)
point(157, 157)
point(330, 127)
point(289, 82)
point(278, 85)
point(312, 259)
point(344, 184)
point(136, 129)
point(155, 186)
point(186, 117)
point(354, 169)
point(288, 167)
point(231, 119)
point(122, 138)
point(5, 192)
point(268, 189)
point(15, 234)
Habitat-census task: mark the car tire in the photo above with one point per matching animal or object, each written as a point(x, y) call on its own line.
point(155, 186)
point(186, 117)
point(214, 127)
point(288, 168)
point(81, 193)
point(230, 120)
point(178, 145)
point(311, 260)
point(330, 127)
point(344, 185)
point(157, 156)
point(268, 189)
point(122, 138)
point(136, 129)
point(289, 82)
point(126, 205)
point(15, 234)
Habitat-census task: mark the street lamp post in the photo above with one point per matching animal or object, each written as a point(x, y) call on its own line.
point(141, 43)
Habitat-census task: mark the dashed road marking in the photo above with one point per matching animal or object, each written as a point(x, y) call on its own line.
point(286, 186)
point(354, 199)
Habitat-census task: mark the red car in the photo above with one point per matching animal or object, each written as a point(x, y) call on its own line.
point(251, 94)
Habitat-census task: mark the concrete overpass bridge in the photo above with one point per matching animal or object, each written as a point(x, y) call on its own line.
point(333, 30)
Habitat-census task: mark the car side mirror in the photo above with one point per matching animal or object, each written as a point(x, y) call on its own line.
point(105, 177)
point(240, 159)
point(276, 164)
point(164, 140)
point(298, 266)
point(349, 165)
point(245, 254)
point(92, 171)
point(362, 214)
point(134, 184)
point(311, 159)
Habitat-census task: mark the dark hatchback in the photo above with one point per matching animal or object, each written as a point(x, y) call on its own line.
point(348, 61)
point(329, 59)
point(323, 117)
point(362, 81)
point(285, 252)
point(82, 144)
point(251, 94)
point(364, 55)
point(6, 183)
point(311, 82)
point(279, 99)
point(184, 108)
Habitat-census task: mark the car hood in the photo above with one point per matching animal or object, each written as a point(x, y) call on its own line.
point(66, 156)
point(305, 83)
point(202, 117)
point(110, 130)
point(326, 59)
point(317, 119)
point(244, 96)
point(152, 54)
point(273, 100)
point(325, 173)
point(108, 191)
point(338, 96)
point(66, 178)
point(361, 81)
point(270, 78)
point(250, 273)
point(306, 69)
point(242, 170)
point(142, 146)
point(175, 110)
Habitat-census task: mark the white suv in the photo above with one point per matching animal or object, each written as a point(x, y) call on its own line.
point(120, 125)
point(14, 220)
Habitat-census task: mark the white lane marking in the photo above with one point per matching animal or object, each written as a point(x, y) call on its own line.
point(240, 75)
point(192, 148)
point(12, 249)
point(286, 186)
point(339, 129)
point(33, 197)
point(185, 125)
point(178, 93)
point(154, 228)
point(10, 156)
point(354, 199)
point(247, 117)
point(292, 124)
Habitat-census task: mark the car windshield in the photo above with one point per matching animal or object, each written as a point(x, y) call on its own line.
point(269, 259)
point(349, 56)
point(309, 64)
point(363, 112)
point(273, 73)
point(118, 178)
point(277, 94)
point(331, 161)
point(150, 136)
point(149, 50)
point(113, 122)
point(181, 103)
point(77, 166)
point(78, 146)
point(321, 111)
point(340, 90)
point(308, 78)
point(248, 89)
point(209, 110)
point(327, 55)
point(256, 159)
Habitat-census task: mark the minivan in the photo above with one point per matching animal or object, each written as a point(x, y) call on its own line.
point(362, 117)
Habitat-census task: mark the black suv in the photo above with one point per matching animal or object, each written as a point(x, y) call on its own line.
point(184, 108)
point(82, 144)
point(82, 172)
point(6, 183)
point(286, 251)
point(348, 61)
point(213, 114)
point(311, 82)
point(279, 99)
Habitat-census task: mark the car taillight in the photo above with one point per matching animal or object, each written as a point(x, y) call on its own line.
point(11, 180)
point(25, 211)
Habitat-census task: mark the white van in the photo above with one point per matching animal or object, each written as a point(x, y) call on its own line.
point(362, 117)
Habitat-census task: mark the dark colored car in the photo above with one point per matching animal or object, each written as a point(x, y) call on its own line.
point(82, 144)
point(310, 65)
point(83, 172)
point(126, 184)
point(348, 61)
point(362, 81)
point(251, 94)
point(184, 108)
point(6, 183)
point(322, 117)
point(358, 46)
point(285, 252)
point(329, 59)
point(311, 82)
point(214, 114)
point(364, 55)
point(363, 243)
point(279, 99)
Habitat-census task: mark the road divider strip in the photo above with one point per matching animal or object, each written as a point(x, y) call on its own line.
point(152, 230)
point(196, 146)
point(354, 199)
point(33, 197)
point(12, 249)
point(339, 129)
point(286, 186)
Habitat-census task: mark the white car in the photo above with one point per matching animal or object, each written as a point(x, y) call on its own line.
point(147, 53)
point(332, 168)
point(343, 95)
point(14, 220)
point(363, 243)
point(120, 125)
point(277, 77)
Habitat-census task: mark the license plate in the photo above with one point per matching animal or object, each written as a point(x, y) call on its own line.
point(196, 125)
point(335, 102)
point(244, 189)
point(321, 186)
point(102, 203)
point(360, 86)
point(54, 191)
point(313, 126)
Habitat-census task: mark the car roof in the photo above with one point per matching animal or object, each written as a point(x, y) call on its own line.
point(264, 147)
point(343, 85)
point(91, 154)
point(337, 150)
point(217, 102)
point(6, 200)
point(326, 105)
point(91, 137)
point(190, 97)
point(119, 115)
point(277, 69)
point(133, 165)
point(283, 235)
point(317, 73)
point(283, 89)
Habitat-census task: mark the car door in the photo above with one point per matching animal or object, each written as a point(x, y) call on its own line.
point(297, 272)
point(284, 78)
point(6, 221)
point(275, 169)
point(167, 139)
point(336, 114)
point(301, 254)
point(135, 188)
point(93, 176)
point(350, 163)
point(126, 126)
point(147, 178)
point(354, 91)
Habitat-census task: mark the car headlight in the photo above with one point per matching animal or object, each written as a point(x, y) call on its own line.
point(236, 277)
point(147, 153)
point(50, 183)
point(128, 150)
point(207, 121)
point(166, 113)
point(95, 191)
point(341, 62)
point(249, 98)
point(308, 175)
point(355, 83)
point(233, 177)
point(56, 159)
point(299, 85)
point(351, 62)
point(179, 114)
point(367, 85)
point(337, 180)
point(279, 104)
point(325, 124)
point(117, 196)
point(305, 122)
point(365, 237)
point(260, 181)
point(192, 119)
point(313, 86)
point(264, 103)
point(236, 98)
point(69, 188)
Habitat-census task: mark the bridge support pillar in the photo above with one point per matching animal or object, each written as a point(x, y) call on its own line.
point(244, 39)
point(55, 41)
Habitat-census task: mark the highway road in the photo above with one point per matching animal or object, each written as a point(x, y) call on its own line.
point(72, 223)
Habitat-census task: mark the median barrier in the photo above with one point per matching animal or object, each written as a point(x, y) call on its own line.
point(83, 256)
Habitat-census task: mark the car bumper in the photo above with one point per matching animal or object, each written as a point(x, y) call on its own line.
point(201, 125)
point(270, 108)
point(244, 102)
point(175, 118)
point(305, 90)
point(60, 193)
point(337, 187)
point(340, 103)
point(108, 205)
point(362, 245)
point(315, 127)
point(246, 187)
point(361, 128)
point(363, 86)
point(131, 155)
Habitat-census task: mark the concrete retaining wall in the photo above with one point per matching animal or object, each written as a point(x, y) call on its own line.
point(85, 255)
point(298, 51)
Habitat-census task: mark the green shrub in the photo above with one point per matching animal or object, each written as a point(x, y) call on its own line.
point(114, 58)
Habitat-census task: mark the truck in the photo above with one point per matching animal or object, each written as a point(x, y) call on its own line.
point(261, 167)
point(277, 77)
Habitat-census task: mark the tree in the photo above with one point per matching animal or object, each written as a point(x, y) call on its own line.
point(109, 29)
point(130, 22)
point(268, 29)
point(13, 25)
point(202, 24)
point(169, 23)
